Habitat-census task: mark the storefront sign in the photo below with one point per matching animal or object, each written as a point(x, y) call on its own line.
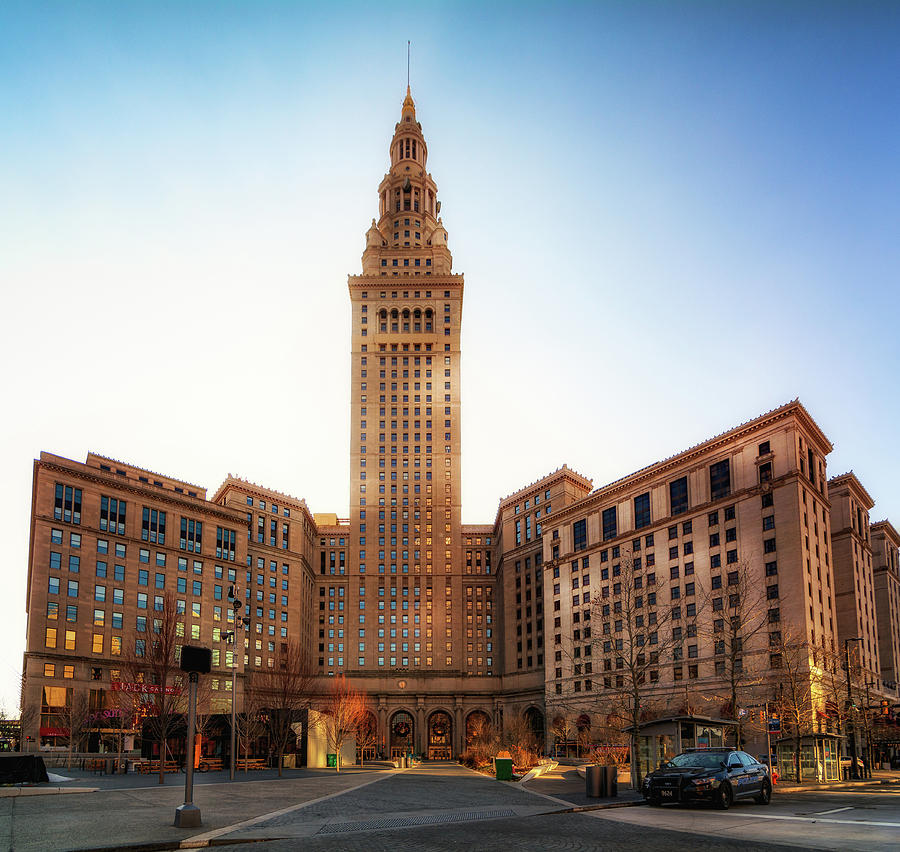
point(54, 732)
point(144, 688)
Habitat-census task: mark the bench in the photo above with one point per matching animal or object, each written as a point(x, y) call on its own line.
point(96, 765)
point(211, 764)
point(252, 763)
point(146, 767)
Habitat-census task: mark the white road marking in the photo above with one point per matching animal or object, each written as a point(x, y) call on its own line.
point(201, 840)
point(834, 811)
point(826, 821)
point(634, 816)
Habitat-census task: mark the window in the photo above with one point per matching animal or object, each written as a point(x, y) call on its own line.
point(112, 515)
point(720, 479)
point(225, 544)
point(579, 535)
point(191, 535)
point(609, 523)
point(153, 526)
point(67, 504)
point(642, 511)
point(678, 497)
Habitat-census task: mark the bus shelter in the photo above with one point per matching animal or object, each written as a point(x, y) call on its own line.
point(662, 739)
point(820, 757)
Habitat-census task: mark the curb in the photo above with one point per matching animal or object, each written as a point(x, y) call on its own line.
point(15, 792)
point(835, 785)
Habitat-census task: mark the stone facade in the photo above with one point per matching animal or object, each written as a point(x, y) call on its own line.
point(438, 621)
point(886, 571)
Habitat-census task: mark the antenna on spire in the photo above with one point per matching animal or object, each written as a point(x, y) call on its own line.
point(407, 63)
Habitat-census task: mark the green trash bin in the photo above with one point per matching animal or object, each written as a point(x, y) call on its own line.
point(504, 768)
point(331, 761)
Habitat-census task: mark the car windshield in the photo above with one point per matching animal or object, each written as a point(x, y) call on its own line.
point(702, 760)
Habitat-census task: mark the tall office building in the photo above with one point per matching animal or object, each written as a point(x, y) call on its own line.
point(405, 429)
point(445, 625)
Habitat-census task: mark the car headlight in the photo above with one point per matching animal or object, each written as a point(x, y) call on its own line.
point(704, 782)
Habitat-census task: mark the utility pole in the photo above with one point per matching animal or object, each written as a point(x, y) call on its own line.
point(231, 637)
point(851, 728)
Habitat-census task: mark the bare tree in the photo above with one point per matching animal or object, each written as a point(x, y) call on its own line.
point(833, 685)
point(78, 718)
point(343, 711)
point(249, 729)
point(635, 629)
point(519, 739)
point(738, 615)
point(150, 660)
point(29, 714)
point(366, 736)
point(279, 695)
point(792, 658)
point(482, 740)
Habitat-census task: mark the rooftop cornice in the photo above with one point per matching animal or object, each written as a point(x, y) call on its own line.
point(710, 446)
point(245, 485)
point(888, 529)
point(851, 481)
point(141, 489)
point(564, 472)
point(368, 281)
point(101, 458)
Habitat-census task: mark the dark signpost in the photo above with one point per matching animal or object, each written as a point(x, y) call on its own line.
point(195, 661)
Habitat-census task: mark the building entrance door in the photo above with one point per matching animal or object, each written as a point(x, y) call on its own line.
point(401, 734)
point(439, 736)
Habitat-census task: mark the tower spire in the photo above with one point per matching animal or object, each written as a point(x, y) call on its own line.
point(407, 66)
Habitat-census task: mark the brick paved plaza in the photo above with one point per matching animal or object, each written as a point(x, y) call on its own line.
point(432, 807)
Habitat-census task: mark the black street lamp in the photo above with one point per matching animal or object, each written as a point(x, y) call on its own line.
point(851, 728)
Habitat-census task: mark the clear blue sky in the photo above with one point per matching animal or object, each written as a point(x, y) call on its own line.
point(671, 217)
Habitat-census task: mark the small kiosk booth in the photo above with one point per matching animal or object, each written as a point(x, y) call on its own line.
point(820, 757)
point(662, 739)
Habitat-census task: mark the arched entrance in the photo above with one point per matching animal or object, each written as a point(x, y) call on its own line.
point(535, 720)
point(439, 730)
point(402, 729)
point(478, 726)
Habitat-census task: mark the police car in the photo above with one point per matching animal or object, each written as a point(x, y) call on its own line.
point(718, 776)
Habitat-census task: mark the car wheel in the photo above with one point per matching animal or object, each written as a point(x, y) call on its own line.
point(765, 794)
point(653, 801)
point(725, 797)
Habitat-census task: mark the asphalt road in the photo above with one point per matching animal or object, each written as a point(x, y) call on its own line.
point(436, 807)
point(865, 819)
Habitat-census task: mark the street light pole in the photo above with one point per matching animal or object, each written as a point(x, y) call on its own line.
point(851, 728)
point(231, 637)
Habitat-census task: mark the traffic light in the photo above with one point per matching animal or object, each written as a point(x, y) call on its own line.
point(885, 707)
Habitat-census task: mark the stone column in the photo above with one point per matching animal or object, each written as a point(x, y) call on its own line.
point(457, 728)
point(421, 736)
point(384, 737)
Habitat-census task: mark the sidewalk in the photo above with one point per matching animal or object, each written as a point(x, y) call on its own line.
point(117, 817)
point(880, 777)
point(565, 785)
